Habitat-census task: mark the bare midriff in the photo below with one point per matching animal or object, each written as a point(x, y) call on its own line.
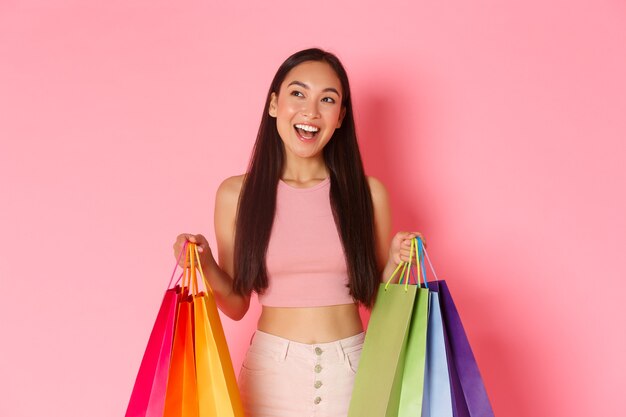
point(311, 324)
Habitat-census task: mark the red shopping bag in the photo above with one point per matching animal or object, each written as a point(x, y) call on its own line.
point(148, 396)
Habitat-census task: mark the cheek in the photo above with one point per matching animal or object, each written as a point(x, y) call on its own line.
point(287, 107)
point(284, 118)
point(332, 115)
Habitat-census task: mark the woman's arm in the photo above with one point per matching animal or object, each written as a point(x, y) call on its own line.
point(220, 276)
point(382, 221)
point(388, 254)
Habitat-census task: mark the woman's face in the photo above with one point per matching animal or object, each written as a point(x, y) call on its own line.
point(308, 108)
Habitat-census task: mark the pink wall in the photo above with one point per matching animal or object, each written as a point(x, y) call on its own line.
point(498, 128)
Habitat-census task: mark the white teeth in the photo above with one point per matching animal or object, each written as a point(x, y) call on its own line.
point(307, 128)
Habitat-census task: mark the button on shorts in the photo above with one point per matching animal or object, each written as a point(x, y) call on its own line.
point(283, 378)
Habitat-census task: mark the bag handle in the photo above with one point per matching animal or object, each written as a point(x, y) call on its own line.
point(420, 260)
point(423, 254)
point(195, 256)
point(406, 269)
point(417, 247)
point(188, 275)
point(186, 284)
point(176, 265)
point(192, 271)
point(189, 283)
point(429, 263)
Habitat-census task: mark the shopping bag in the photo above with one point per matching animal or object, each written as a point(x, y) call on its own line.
point(459, 406)
point(412, 385)
point(472, 387)
point(437, 397)
point(377, 384)
point(148, 396)
point(218, 393)
point(468, 393)
point(437, 394)
point(181, 398)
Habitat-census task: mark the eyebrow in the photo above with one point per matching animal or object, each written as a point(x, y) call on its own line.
point(303, 85)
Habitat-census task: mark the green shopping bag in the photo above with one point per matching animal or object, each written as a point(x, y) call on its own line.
point(412, 385)
point(378, 381)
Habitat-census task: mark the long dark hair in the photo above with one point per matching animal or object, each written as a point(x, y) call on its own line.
point(350, 196)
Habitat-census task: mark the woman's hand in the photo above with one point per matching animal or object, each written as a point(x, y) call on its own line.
point(230, 303)
point(204, 251)
point(399, 251)
point(400, 248)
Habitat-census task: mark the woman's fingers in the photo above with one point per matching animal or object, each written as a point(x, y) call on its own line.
point(180, 244)
point(405, 256)
point(407, 236)
point(421, 237)
point(400, 248)
point(405, 245)
point(416, 234)
point(201, 244)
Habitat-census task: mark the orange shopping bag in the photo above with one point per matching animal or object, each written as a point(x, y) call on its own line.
point(181, 398)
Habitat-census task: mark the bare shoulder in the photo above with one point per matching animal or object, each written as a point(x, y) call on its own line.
point(378, 190)
point(226, 202)
point(229, 190)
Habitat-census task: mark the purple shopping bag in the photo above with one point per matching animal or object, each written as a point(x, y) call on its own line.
point(469, 396)
point(459, 406)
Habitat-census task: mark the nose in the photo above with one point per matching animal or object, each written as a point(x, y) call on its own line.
point(310, 109)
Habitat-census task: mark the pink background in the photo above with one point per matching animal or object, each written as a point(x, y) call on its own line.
point(499, 129)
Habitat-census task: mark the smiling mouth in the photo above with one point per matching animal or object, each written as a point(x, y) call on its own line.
point(306, 131)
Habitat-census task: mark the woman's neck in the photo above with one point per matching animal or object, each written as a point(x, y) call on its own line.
point(303, 171)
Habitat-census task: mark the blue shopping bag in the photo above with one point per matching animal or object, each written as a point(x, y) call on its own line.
point(437, 394)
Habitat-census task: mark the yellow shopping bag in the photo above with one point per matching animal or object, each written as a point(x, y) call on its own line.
point(218, 393)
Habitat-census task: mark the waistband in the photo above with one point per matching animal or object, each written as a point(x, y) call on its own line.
point(281, 348)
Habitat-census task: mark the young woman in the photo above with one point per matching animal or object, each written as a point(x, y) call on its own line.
point(309, 232)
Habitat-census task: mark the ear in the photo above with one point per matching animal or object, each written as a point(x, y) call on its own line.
point(341, 116)
point(273, 105)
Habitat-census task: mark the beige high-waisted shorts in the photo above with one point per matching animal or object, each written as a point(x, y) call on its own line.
point(283, 378)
